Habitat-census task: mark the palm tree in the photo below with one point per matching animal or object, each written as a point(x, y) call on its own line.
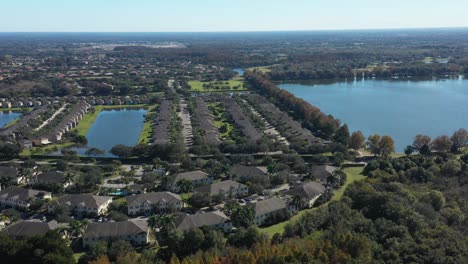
point(5, 182)
point(165, 223)
point(168, 222)
point(298, 201)
point(76, 228)
point(154, 222)
point(166, 181)
point(185, 186)
point(68, 178)
point(26, 173)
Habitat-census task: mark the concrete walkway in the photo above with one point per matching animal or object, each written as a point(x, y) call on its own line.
point(51, 118)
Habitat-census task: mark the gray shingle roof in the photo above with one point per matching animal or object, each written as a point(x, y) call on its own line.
point(153, 197)
point(246, 171)
point(308, 190)
point(268, 206)
point(51, 177)
point(21, 194)
point(10, 172)
point(87, 200)
point(215, 188)
point(187, 222)
point(116, 229)
point(191, 175)
point(322, 172)
point(30, 228)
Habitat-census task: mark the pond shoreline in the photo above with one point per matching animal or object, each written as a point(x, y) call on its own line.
point(88, 120)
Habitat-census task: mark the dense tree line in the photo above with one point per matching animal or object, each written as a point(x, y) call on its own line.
point(48, 249)
point(323, 125)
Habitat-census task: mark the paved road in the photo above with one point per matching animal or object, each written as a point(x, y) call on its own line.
point(51, 118)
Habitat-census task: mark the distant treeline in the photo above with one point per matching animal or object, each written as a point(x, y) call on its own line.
point(341, 70)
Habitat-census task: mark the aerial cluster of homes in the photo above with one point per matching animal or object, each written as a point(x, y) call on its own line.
point(91, 64)
point(92, 100)
point(267, 207)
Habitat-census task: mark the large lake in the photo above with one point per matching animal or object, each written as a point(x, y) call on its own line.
point(7, 117)
point(401, 109)
point(113, 127)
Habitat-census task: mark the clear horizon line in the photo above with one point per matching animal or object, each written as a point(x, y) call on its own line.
point(252, 31)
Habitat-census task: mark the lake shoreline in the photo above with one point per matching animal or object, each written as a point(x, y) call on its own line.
point(398, 108)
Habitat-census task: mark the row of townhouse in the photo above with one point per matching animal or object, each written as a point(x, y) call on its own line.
point(23, 122)
point(82, 204)
point(69, 122)
point(21, 198)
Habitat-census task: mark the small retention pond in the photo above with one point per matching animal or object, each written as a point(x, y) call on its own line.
point(7, 117)
point(113, 127)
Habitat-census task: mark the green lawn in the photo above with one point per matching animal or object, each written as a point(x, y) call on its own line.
point(263, 69)
point(197, 86)
point(218, 108)
point(147, 131)
point(12, 122)
point(43, 150)
point(77, 256)
point(89, 118)
point(353, 174)
point(17, 109)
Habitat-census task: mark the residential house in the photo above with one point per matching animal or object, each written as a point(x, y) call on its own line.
point(269, 211)
point(21, 198)
point(309, 191)
point(226, 189)
point(215, 219)
point(25, 144)
point(133, 231)
point(147, 203)
point(50, 178)
point(10, 173)
point(321, 173)
point(29, 228)
point(136, 189)
point(83, 204)
point(197, 178)
point(249, 173)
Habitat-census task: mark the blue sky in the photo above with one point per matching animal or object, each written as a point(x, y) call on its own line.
point(232, 15)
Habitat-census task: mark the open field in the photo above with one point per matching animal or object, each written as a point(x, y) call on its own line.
point(263, 69)
point(219, 120)
point(217, 86)
point(353, 174)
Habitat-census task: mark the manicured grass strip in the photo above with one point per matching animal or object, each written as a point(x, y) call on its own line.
point(12, 122)
point(89, 118)
point(44, 150)
point(147, 131)
point(263, 69)
point(17, 109)
point(353, 174)
point(197, 86)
